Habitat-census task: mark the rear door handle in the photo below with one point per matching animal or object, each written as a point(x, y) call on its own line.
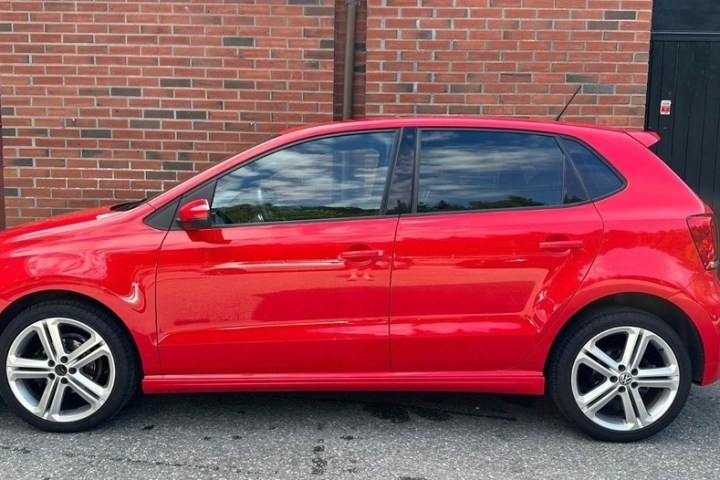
point(558, 246)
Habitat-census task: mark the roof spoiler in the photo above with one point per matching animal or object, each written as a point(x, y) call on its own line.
point(648, 139)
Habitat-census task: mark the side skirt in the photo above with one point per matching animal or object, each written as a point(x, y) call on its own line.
point(511, 382)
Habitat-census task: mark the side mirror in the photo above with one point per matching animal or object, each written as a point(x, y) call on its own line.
point(195, 215)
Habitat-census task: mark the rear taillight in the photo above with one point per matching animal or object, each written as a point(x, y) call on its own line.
point(704, 233)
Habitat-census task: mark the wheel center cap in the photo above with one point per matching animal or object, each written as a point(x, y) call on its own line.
point(61, 370)
point(625, 378)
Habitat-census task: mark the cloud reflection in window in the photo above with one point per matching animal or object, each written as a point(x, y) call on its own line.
point(333, 177)
point(475, 170)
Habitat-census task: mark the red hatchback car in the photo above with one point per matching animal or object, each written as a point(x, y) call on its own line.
point(452, 254)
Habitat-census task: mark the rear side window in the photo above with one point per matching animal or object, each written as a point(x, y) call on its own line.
point(598, 177)
point(481, 170)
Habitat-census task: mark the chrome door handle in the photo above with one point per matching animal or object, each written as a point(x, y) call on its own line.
point(561, 245)
point(361, 254)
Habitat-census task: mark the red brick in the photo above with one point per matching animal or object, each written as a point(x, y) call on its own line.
point(490, 57)
point(137, 45)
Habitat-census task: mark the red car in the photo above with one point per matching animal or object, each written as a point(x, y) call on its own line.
point(448, 254)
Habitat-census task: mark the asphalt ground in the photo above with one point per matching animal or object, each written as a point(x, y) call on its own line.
point(409, 436)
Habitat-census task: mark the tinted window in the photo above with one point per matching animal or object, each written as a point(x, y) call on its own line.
point(599, 179)
point(333, 177)
point(476, 170)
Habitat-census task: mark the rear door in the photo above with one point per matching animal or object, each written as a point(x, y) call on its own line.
point(500, 237)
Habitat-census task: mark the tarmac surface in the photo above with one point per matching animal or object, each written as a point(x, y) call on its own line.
point(389, 436)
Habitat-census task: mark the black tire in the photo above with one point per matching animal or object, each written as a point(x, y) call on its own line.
point(121, 384)
point(602, 326)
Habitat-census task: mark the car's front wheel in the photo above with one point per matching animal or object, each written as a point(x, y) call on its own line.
point(66, 366)
point(620, 374)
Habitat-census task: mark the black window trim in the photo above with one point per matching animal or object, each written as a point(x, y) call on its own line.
point(401, 149)
point(569, 163)
point(416, 170)
point(213, 180)
point(394, 155)
point(557, 138)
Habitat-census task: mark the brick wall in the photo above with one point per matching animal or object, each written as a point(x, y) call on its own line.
point(115, 99)
point(110, 100)
point(509, 58)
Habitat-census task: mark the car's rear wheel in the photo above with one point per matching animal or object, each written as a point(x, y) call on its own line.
point(620, 374)
point(66, 366)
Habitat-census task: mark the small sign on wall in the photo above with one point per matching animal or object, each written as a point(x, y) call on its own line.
point(665, 107)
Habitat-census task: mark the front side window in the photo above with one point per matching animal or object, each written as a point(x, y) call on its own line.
point(333, 177)
point(480, 170)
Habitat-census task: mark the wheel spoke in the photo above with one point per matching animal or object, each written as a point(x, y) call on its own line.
point(45, 341)
point(631, 418)
point(630, 352)
point(598, 405)
point(89, 345)
point(644, 417)
point(56, 403)
point(19, 368)
point(661, 383)
point(595, 352)
point(585, 359)
point(604, 392)
point(15, 375)
point(27, 363)
point(661, 377)
point(102, 350)
point(88, 390)
point(640, 350)
point(48, 394)
point(669, 371)
point(53, 327)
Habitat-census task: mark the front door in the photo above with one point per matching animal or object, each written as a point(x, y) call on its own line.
point(294, 275)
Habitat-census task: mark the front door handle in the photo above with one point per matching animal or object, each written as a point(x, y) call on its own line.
point(561, 246)
point(361, 254)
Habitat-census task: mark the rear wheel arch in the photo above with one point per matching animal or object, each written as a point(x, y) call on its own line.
point(23, 303)
point(661, 308)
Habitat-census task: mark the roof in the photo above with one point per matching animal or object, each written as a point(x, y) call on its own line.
point(448, 121)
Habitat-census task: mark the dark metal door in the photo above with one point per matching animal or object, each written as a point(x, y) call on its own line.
point(683, 102)
point(687, 74)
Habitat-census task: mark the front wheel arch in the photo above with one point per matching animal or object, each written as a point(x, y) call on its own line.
point(23, 303)
point(61, 346)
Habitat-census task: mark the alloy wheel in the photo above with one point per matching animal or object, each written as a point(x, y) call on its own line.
point(60, 370)
point(625, 378)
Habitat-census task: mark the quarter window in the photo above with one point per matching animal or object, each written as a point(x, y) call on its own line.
point(599, 179)
point(479, 170)
point(332, 177)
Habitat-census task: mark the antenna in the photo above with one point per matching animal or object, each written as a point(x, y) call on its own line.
point(568, 103)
